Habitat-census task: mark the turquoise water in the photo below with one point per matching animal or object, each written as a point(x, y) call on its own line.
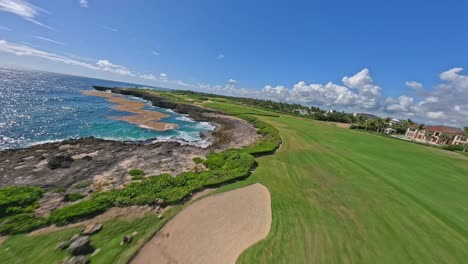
point(38, 107)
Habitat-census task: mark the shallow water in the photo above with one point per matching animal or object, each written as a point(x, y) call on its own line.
point(38, 107)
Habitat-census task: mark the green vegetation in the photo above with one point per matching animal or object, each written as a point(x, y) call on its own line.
point(197, 160)
point(26, 249)
point(17, 204)
point(341, 196)
point(344, 196)
point(137, 174)
point(72, 197)
point(223, 167)
point(17, 199)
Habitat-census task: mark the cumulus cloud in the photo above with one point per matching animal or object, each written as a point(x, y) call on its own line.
point(402, 104)
point(149, 77)
point(436, 115)
point(369, 93)
point(106, 65)
point(23, 9)
point(163, 77)
point(446, 103)
point(84, 3)
point(414, 85)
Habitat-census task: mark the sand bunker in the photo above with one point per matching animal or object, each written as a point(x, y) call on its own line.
point(216, 229)
point(142, 118)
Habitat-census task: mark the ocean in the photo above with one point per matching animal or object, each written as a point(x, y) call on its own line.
point(38, 107)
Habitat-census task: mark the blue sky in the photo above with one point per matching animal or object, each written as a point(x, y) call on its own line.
point(295, 51)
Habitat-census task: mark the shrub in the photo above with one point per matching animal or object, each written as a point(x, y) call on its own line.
point(197, 160)
point(15, 199)
point(71, 197)
point(224, 166)
point(453, 147)
point(85, 208)
point(137, 174)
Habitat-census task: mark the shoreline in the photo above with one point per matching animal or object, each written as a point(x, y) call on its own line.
point(88, 165)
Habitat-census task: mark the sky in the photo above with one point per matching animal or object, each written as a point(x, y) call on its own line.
point(398, 58)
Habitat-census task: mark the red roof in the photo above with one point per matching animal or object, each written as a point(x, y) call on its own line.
point(444, 129)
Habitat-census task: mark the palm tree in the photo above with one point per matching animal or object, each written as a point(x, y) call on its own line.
point(465, 130)
point(446, 138)
point(428, 134)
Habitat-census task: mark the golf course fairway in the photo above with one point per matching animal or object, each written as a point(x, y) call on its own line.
point(344, 196)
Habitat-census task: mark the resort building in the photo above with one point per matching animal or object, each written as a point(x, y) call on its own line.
point(437, 135)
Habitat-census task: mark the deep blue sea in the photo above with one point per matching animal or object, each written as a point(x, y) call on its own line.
point(38, 107)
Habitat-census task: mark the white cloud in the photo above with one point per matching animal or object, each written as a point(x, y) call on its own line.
point(110, 28)
point(436, 115)
point(155, 53)
point(84, 3)
point(5, 28)
point(23, 9)
point(149, 77)
point(163, 77)
point(109, 66)
point(447, 103)
point(23, 50)
point(232, 81)
point(220, 56)
point(414, 85)
point(50, 40)
point(402, 104)
point(369, 93)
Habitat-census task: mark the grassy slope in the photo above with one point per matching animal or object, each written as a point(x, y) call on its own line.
point(41, 248)
point(342, 196)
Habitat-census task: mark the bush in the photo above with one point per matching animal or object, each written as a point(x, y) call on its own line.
point(271, 138)
point(71, 197)
point(85, 208)
point(453, 147)
point(224, 166)
point(197, 160)
point(137, 174)
point(15, 199)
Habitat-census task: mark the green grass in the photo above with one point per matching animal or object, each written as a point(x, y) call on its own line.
point(41, 248)
point(461, 152)
point(343, 196)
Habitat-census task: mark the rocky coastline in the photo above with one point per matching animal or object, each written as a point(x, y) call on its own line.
point(87, 165)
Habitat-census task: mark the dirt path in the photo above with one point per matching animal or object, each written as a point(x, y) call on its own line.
point(216, 229)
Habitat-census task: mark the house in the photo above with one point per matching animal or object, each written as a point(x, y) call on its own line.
point(437, 135)
point(394, 122)
point(389, 131)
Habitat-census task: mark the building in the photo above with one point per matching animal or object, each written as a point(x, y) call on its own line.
point(437, 135)
point(390, 131)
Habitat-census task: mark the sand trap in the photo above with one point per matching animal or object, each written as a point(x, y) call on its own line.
point(143, 118)
point(216, 229)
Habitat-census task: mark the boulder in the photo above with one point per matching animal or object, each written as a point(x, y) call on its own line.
point(80, 246)
point(60, 161)
point(126, 239)
point(159, 201)
point(92, 229)
point(87, 158)
point(78, 260)
point(62, 245)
